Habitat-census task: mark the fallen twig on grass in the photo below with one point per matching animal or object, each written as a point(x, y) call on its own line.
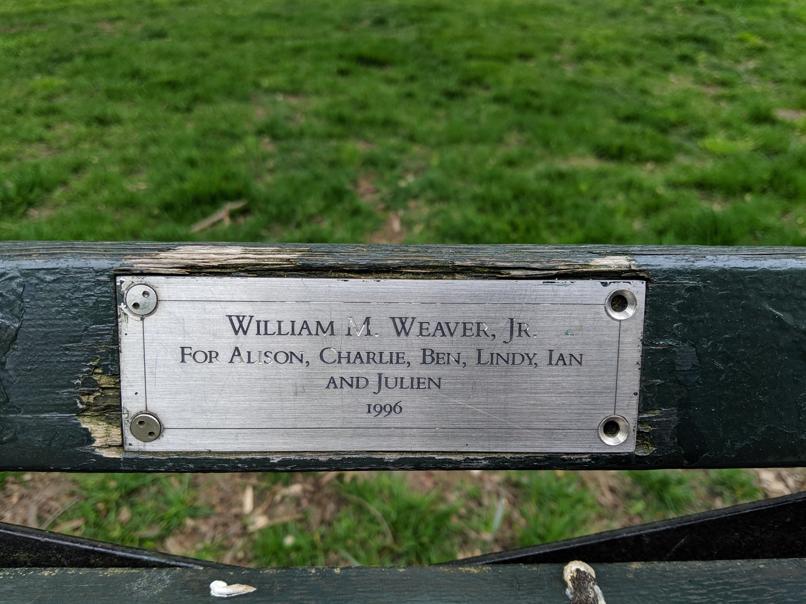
point(222, 215)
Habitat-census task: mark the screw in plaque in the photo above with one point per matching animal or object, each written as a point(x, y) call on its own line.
point(145, 427)
point(621, 304)
point(141, 299)
point(614, 430)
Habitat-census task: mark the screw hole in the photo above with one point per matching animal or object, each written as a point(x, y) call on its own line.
point(610, 427)
point(619, 303)
point(151, 434)
point(141, 422)
point(136, 305)
point(146, 294)
point(614, 430)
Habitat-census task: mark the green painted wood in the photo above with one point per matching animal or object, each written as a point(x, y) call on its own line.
point(724, 367)
point(774, 581)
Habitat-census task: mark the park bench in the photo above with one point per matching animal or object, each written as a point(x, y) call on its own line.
point(716, 351)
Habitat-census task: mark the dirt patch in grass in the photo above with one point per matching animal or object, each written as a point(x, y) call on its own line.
point(37, 500)
point(790, 115)
point(237, 506)
point(367, 191)
point(778, 482)
point(233, 514)
point(391, 231)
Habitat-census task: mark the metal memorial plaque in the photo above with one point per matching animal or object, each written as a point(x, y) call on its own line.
point(222, 364)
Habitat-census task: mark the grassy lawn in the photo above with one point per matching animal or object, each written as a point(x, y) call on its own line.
point(363, 518)
point(545, 121)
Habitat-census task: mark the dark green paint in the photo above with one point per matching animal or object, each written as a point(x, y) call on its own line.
point(724, 369)
point(779, 581)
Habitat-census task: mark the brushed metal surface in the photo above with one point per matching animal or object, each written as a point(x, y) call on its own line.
point(464, 379)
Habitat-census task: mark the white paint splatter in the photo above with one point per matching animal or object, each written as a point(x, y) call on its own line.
point(220, 589)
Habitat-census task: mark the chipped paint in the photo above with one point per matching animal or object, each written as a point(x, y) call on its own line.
point(185, 259)
point(11, 315)
point(470, 570)
point(99, 408)
point(375, 261)
point(615, 263)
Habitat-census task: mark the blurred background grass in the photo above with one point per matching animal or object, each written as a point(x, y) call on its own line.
point(422, 121)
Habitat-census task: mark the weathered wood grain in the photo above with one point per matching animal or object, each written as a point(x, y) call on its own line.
point(773, 581)
point(723, 379)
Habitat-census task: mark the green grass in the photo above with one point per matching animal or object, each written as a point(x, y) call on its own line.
point(380, 521)
point(643, 122)
point(375, 518)
point(433, 121)
point(378, 518)
point(554, 506)
point(132, 509)
point(383, 520)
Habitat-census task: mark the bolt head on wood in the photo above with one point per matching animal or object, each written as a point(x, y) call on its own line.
point(145, 427)
point(141, 300)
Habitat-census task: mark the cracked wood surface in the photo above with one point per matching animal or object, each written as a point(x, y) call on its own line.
point(722, 385)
